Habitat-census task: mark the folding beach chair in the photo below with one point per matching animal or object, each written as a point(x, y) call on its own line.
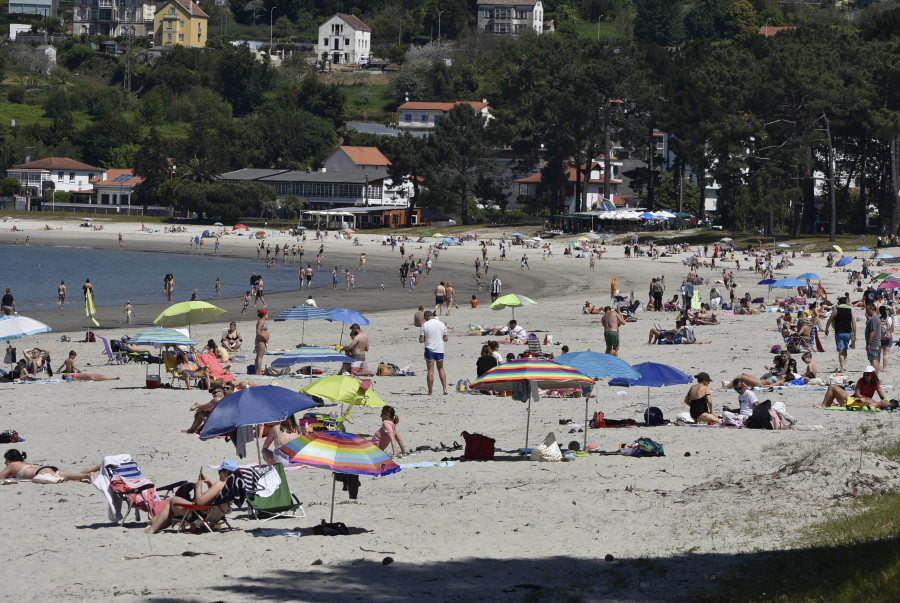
point(136, 491)
point(113, 357)
point(274, 498)
point(208, 517)
point(534, 346)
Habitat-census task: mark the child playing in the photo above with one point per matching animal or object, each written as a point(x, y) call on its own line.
point(246, 301)
point(129, 313)
point(474, 301)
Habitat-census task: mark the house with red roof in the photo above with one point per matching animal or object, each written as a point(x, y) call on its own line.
point(53, 174)
point(355, 158)
point(415, 115)
point(343, 40)
point(528, 187)
point(115, 187)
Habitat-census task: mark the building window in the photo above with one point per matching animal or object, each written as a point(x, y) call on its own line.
point(436, 118)
point(60, 177)
point(425, 118)
point(168, 25)
point(71, 176)
point(522, 14)
point(172, 10)
point(407, 117)
point(181, 37)
point(170, 38)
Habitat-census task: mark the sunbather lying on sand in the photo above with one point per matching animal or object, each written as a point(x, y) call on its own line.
point(18, 468)
point(865, 389)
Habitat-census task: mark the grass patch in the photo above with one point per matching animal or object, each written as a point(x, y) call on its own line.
point(25, 115)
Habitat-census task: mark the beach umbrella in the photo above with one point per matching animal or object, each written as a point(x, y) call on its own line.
point(882, 276)
point(726, 239)
point(888, 284)
point(838, 249)
point(449, 241)
point(240, 227)
point(646, 216)
point(517, 234)
point(16, 327)
point(347, 317)
point(310, 355)
point(87, 219)
point(783, 245)
point(303, 313)
point(844, 261)
point(425, 233)
point(161, 336)
point(343, 389)
point(533, 374)
point(808, 275)
point(260, 233)
point(253, 406)
point(596, 366)
point(654, 374)
point(438, 235)
point(185, 314)
point(218, 224)
point(767, 281)
point(884, 256)
point(512, 300)
point(787, 283)
point(341, 453)
point(863, 249)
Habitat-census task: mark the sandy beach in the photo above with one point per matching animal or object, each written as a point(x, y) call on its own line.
point(599, 527)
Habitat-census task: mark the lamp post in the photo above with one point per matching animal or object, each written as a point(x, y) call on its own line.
point(599, 20)
point(767, 27)
point(440, 12)
point(271, 13)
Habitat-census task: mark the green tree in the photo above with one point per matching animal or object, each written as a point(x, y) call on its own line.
point(151, 163)
point(283, 27)
point(294, 138)
point(658, 22)
point(460, 152)
point(9, 187)
point(242, 80)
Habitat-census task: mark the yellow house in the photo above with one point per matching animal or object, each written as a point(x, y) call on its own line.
point(179, 22)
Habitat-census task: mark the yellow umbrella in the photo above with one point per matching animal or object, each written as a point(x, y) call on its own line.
point(185, 314)
point(838, 249)
point(343, 389)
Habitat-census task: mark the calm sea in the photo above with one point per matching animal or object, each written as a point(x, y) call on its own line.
point(34, 274)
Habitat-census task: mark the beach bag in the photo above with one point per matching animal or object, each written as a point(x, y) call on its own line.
point(383, 370)
point(547, 453)
point(395, 370)
point(47, 478)
point(688, 335)
point(331, 529)
point(760, 419)
point(9, 436)
point(643, 447)
point(10, 357)
point(478, 447)
point(775, 420)
point(837, 379)
point(598, 422)
point(855, 403)
point(653, 416)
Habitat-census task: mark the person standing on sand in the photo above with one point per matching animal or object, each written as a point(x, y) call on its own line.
point(262, 340)
point(87, 286)
point(611, 321)
point(434, 334)
point(496, 288)
point(439, 293)
point(259, 293)
point(357, 348)
point(419, 317)
point(309, 275)
point(844, 330)
point(218, 286)
point(8, 303)
point(61, 294)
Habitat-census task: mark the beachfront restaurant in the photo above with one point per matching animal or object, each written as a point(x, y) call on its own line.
point(381, 216)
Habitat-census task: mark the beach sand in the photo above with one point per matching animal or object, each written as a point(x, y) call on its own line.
point(602, 527)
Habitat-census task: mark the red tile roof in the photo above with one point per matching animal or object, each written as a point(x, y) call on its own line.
point(419, 106)
point(57, 163)
point(571, 174)
point(354, 22)
point(772, 30)
point(114, 173)
point(366, 155)
point(189, 7)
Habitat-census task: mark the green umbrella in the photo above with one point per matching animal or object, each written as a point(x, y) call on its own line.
point(344, 389)
point(437, 234)
point(882, 276)
point(512, 300)
point(185, 314)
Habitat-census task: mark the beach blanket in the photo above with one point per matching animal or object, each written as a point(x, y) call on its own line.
point(863, 408)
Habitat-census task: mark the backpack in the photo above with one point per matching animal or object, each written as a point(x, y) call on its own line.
point(687, 334)
point(760, 419)
point(383, 370)
point(598, 421)
point(9, 436)
point(395, 370)
point(643, 447)
point(653, 416)
point(478, 447)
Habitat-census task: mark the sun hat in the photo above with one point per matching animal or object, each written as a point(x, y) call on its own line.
point(869, 369)
point(429, 313)
point(228, 465)
point(702, 377)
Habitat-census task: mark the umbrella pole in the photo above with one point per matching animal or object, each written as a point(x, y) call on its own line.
point(586, 402)
point(258, 451)
point(647, 418)
point(333, 488)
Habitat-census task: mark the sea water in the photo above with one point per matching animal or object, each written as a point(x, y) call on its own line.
point(34, 273)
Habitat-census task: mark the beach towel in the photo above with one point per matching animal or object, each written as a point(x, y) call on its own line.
point(696, 304)
point(102, 483)
point(214, 367)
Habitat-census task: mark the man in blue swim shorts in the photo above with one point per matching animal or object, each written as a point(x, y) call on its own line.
point(433, 334)
point(844, 330)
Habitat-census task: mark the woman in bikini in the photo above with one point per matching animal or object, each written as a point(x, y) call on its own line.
point(232, 340)
point(280, 434)
point(69, 370)
point(699, 399)
point(262, 340)
point(215, 495)
point(184, 370)
point(18, 468)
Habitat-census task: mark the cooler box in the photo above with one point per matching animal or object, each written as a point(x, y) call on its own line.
point(152, 381)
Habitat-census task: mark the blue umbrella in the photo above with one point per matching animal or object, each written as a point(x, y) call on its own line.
point(844, 261)
point(253, 406)
point(304, 313)
point(884, 256)
point(766, 281)
point(863, 249)
point(809, 275)
point(787, 283)
point(517, 234)
point(347, 317)
point(654, 374)
point(596, 366)
point(646, 216)
point(310, 355)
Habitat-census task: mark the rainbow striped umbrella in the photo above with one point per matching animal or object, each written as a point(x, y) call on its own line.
point(342, 453)
point(533, 374)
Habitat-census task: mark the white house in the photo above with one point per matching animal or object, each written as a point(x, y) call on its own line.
point(115, 187)
point(343, 39)
point(425, 116)
point(64, 174)
point(511, 17)
point(46, 8)
point(527, 187)
point(46, 55)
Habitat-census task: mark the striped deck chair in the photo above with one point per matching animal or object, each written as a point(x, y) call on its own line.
point(136, 491)
point(273, 497)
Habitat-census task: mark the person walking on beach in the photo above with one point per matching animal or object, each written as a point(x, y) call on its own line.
point(434, 334)
point(87, 286)
point(309, 275)
point(262, 340)
point(218, 286)
point(61, 294)
point(334, 279)
point(259, 293)
point(496, 288)
point(8, 303)
point(246, 300)
point(844, 330)
point(439, 292)
point(611, 321)
point(129, 313)
point(301, 275)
